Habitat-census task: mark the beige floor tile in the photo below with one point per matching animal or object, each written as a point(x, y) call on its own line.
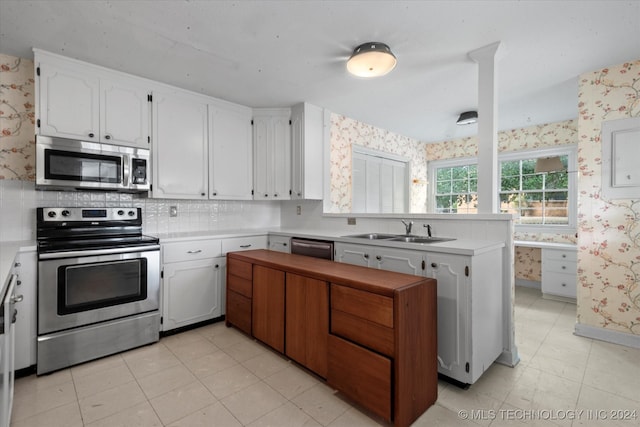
point(439, 416)
point(111, 401)
point(209, 331)
point(176, 341)
point(321, 403)
point(497, 381)
point(457, 399)
point(614, 379)
point(291, 381)
point(25, 386)
point(149, 364)
point(565, 338)
point(213, 415)
point(537, 389)
point(181, 402)
point(194, 349)
point(600, 407)
point(355, 418)
point(245, 350)
point(101, 380)
point(153, 350)
point(608, 355)
point(161, 382)
point(43, 399)
point(95, 366)
point(228, 337)
point(210, 364)
point(287, 415)
point(62, 416)
point(224, 383)
point(141, 415)
point(266, 364)
point(263, 400)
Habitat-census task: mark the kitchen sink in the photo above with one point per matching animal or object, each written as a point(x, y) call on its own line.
point(373, 236)
point(421, 239)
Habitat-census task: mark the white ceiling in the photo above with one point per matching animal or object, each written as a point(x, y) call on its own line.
point(277, 53)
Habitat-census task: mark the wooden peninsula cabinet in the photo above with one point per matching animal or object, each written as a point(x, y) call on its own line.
point(371, 334)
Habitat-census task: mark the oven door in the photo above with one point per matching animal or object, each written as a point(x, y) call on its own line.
point(79, 288)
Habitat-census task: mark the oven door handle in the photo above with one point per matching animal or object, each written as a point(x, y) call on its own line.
point(97, 252)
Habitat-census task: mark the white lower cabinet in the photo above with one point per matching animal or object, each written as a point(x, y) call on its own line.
point(469, 301)
point(26, 332)
point(279, 243)
point(559, 272)
point(192, 282)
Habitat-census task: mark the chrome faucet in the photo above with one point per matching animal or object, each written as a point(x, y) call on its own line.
point(407, 226)
point(428, 227)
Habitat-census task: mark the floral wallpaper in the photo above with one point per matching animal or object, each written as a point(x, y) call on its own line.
point(17, 119)
point(344, 133)
point(528, 263)
point(609, 230)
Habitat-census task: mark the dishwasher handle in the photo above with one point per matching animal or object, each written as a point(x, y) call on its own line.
point(313, 248)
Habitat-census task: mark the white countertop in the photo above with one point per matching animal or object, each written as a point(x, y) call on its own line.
point(8, 251)
point(547, 245)
point(210, 234)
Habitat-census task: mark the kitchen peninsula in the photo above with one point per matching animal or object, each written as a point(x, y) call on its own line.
point(371, 334)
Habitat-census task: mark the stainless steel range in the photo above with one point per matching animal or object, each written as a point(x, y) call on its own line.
point(98, 284)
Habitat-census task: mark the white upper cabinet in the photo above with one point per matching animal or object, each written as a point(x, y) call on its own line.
point(309, 128)
point(272, 151)
point(230, 152)
point(84, 102)
point(180, 146)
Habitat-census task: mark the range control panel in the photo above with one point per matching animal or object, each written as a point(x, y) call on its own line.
point(89, 214)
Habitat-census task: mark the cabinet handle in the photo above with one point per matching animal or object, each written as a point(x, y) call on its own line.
point(366, 256)
point(17, 298)
point(19, 282)
point(214, 193)
point(202, 194)
point(266, 195)
point(564, 255)
point(195, 252)
point(378, 257)
point(107, 137)
point(245, 246)
point(17, 264)
point(564, 267)
point(434, 265)
point(91, 135)
point(564, 284)
point(299, 194)
point(217, 266)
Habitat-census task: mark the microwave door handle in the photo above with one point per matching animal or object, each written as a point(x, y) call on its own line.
point(126, 170)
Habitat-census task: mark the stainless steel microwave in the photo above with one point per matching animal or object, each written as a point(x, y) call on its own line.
point(65, 164)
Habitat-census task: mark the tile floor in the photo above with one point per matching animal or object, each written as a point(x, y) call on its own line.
point(215, 376)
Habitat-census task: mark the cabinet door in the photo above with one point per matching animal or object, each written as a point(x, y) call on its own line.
point(191, 292)
point(230, 151)
point(26, 334)
point(355, 254)
point(268, 306)
point(69, 102)
point(124, 113)
point(400, 261)
point(307, 322)
point(453, 313)
point(180, 146)
point(281, 158)
point(307, 145)
point(272, 146)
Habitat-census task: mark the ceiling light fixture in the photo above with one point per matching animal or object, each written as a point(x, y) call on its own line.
point(467, 118)
point(371, 59)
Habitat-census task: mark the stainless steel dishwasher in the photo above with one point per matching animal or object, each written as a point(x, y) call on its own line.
point(313, 248)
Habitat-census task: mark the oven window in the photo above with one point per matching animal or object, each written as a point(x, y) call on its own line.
point(73, 166)
point(91, 286)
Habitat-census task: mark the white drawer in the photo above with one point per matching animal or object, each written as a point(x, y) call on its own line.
point(560, 254)
point(187, 251)
point(559, 284)
point(556, 266)
point(244, 243)
point(280, 243)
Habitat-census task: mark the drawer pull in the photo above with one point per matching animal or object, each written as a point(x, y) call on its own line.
point(564, 255)
point(434, 265)
point(17, 264)
point(564, 267)
point(378, 257)
point(245, 246)
point(564, 285)
point(366, 256)
point(194, 252)
point(17, 298)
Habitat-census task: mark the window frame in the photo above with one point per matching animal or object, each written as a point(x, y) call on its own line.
point(569, 150)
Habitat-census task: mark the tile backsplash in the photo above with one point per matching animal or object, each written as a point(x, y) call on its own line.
point(19, 199)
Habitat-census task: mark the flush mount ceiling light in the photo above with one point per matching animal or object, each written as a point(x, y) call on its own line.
point(467, 118)
point(371, 59)
point(549, 164)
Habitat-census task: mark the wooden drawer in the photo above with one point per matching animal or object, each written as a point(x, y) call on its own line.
point(560, 284)
point(240, 268)
point(244, 243)
point(558, 266)
point(188, 251)
point(362, 375)
point(560, 254)
point(239, 311)
point(364, 332)
point(240, 277)
point(366, 305)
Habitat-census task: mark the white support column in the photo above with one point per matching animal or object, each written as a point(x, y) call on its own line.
point(486, 57)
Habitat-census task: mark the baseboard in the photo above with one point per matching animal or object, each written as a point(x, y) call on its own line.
point(509, 358)
point(607, 335)
point(528, 283)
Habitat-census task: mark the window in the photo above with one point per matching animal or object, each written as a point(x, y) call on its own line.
point(456, 186)
point(380, 182)
point(540, 200)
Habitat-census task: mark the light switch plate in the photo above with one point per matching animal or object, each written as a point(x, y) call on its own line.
point(351, 221)
point(298, 210)
point(173, 211)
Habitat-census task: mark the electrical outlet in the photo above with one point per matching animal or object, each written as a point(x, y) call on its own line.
point(298, 210)
point(173, 211)
point(351, 221)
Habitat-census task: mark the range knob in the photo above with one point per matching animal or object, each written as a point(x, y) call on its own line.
point(120, 212)
point(131, 213)
point(66, 213)
point(51, 214)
